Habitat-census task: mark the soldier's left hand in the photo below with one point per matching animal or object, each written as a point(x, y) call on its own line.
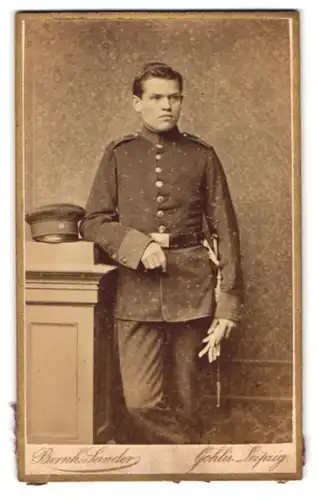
point(219, 329)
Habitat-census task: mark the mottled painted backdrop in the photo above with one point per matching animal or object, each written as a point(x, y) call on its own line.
point(237, 97)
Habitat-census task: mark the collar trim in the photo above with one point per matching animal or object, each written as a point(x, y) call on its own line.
point(172, 135)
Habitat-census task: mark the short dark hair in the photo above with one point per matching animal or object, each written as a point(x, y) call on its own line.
point(155, 70)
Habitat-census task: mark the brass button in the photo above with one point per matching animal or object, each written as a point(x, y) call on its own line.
point(158, 170)
point(159, 184)
point(159, 146)
point(159, 199)
point(162, 229)
point(160, 213)
point(124, 260)
point(158, 157)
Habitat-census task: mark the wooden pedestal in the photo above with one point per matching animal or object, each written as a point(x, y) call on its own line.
point(68, 344)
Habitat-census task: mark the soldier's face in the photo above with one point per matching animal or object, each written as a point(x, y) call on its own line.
point(160, 104)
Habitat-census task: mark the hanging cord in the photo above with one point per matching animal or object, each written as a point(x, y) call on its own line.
point(214, 257)
point(218, 383)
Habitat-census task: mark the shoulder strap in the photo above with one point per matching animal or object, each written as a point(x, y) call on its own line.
point(117, 142)
point(198, 140)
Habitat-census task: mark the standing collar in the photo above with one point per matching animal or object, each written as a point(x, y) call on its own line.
point(172, 135)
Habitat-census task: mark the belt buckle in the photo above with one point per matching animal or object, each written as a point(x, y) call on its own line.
point(161, 238)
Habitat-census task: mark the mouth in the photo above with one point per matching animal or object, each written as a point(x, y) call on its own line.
point(165, 117)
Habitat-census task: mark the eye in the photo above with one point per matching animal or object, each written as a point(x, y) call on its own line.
point(175, 98)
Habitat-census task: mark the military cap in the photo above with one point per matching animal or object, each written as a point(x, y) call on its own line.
point(55, 223)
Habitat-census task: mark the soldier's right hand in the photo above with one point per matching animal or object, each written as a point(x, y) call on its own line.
point(154, 257)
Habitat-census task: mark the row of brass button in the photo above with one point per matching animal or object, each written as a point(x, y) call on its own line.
point(159, 185)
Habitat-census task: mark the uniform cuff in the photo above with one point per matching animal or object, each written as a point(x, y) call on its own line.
point(229, 307)
point(132, 248)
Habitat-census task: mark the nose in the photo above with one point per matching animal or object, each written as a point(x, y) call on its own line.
point(166, 103)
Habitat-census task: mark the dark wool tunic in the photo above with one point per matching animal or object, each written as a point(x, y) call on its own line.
point(165, 183)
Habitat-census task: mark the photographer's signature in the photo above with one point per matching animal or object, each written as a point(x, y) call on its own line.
point(89, 456)
point(256, 455)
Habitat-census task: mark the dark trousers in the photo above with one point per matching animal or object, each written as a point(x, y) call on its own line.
point(158, 363)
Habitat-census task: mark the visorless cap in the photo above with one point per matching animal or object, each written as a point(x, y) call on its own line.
point(55, 223)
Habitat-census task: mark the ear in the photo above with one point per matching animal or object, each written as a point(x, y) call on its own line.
point(136, 102)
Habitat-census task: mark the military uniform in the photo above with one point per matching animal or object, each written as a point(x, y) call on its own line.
point(163, 187)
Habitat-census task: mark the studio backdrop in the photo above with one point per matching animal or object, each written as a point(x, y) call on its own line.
point(237, 98)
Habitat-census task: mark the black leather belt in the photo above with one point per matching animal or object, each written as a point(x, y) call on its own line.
point(167, 240)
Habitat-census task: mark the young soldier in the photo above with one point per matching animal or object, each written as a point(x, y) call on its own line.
point(146, 209)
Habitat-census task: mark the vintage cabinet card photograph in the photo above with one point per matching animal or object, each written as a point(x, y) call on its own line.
point(158, 246)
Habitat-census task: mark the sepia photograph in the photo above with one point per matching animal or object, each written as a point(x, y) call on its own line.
point(158, 246)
